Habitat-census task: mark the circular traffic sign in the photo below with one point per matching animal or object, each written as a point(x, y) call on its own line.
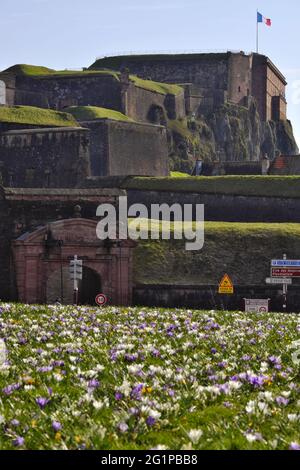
point(101, 300)
point(262, 310)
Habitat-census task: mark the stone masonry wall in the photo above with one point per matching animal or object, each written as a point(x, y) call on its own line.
point(125, 148)
point(59, 93)
point(142, 104)
point(44, 157)
point(24, 210)
point(137, 149)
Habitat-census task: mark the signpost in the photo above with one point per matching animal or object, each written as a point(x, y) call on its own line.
point(226, 285)
point(101, 300)
point(295, 263)
point(282, 272)
point(257, 305)
point(76, 275)
point(285, 272)
point(278, 280)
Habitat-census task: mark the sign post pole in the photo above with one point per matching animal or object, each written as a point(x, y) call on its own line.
point(76, 275)
point(284, 292)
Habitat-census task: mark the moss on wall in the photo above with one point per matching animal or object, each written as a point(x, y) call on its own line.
point(90, 113)
point(36, 116)
point(243, 250)
point(265, 186)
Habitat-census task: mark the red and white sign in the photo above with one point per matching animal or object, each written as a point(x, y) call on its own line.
point(257, 305)
point(101, 300)
point(285, 272)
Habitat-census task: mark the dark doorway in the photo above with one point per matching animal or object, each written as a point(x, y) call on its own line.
point(90, 287)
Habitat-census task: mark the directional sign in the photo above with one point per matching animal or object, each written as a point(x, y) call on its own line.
point(75, 269)
point(101, 300)
point(257, 305)
point(278, 280)
point(226, 285)
point(285, 272)
point(293, 263)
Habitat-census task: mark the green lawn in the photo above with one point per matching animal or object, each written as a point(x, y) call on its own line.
point(86, 113)
point(139, 378)
point(269, 186)
point(36, 116)
point(162, 88)
point(36, 71)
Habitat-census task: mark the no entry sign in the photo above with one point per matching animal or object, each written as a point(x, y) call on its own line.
point(101, 300)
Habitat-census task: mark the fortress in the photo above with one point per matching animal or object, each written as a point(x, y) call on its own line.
point(70, 140)
point(211, 80)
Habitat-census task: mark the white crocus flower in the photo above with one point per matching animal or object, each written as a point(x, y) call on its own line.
point(195, 435)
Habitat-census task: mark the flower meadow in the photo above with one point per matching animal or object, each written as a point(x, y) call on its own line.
point(140, 378)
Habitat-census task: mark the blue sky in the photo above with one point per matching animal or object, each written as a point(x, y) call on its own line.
point(72, 33)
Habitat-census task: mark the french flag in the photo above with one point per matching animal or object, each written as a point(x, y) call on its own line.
point(262, 19)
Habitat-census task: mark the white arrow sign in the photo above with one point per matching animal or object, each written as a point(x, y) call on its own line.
point(278, 280)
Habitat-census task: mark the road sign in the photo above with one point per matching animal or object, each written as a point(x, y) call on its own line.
point(292, 263)
point(101, 300)
point(285, 272)
point(278, 280)
point(226, 285)
point(256, 305)
point(76, 269)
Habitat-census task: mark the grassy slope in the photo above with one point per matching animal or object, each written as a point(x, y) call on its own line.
point(276, 186)
point(244, 250)
point(86, 113)
point(39, 71)
point(44, 72)
point(36, 116)
point(179, 174)
point(163, 88)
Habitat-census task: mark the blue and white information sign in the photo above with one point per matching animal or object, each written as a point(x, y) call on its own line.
point(295, 263)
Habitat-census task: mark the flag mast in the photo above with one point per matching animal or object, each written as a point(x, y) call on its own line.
point(257, 32)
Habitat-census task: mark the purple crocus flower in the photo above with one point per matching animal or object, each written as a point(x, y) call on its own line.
point(56, 426)
point(150, 421)
point(294, 446)
point(282, 401)
point(42, 402)
point(136, 391)
point(15, 423)
point(123, 427)
point(118, 396)
point(94, 383)
point(10, 389)
point(18, 441)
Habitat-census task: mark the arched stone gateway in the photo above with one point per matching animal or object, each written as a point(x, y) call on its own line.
point(42, 264)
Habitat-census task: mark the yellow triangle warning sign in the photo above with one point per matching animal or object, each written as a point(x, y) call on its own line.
point(226, 285)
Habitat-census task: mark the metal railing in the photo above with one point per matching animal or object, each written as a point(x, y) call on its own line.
point(171, 52)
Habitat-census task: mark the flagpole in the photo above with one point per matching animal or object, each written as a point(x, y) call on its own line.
point(257, 32)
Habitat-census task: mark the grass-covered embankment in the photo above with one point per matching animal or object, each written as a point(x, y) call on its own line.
point(90, 113)
point(264, 186)
point(35, 71)
point(244, 250)
point(36, 117)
